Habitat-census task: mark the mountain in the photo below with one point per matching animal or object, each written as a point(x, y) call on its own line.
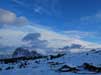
point(76, 46)
point(35, 53)
point(73, 46)
point(21, 52)
point(24, 52)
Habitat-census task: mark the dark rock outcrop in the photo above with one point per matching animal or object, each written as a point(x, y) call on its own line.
point(0, 69)
point(92, 68)
point(56, 56)
point(9, 68)
point(66, 68)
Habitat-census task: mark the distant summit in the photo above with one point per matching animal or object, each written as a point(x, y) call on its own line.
point(76, 46)
point(24, 52)
point(73, 46)
point(21, 52)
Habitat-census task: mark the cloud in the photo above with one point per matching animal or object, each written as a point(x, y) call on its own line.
point(34, 41)
point(46, 7)
point(79, 34)
point(58, 40)
point(87, 23)
point(11, 38)
point(92, 19)
point(38, 38)
point(35, 35)
point(10, 18)
point(95, 17)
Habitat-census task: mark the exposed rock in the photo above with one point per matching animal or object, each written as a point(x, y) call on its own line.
point(66, 68)
point(9, 68)
point(54, 63)
point(92, 68)
point(0, 69)
point(56, 56)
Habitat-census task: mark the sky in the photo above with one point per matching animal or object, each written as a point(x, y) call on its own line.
point(55, 20)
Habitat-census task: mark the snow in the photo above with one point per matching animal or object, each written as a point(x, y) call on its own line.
point(43, 68)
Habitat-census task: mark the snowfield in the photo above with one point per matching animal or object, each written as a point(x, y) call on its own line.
point(51, 64)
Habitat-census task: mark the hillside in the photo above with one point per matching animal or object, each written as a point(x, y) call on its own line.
point(56, 64)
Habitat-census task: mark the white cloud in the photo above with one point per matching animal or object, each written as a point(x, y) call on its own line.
point(87, 23)
point(79, 34)
point(57, 40)
point(92, 19)
point(11, 38)
point(7, 17)
point(10, 18)
point(33, 40)
point(48, 7)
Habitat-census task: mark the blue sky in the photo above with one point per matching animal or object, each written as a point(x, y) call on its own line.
point(54, 19)
point(57, 14)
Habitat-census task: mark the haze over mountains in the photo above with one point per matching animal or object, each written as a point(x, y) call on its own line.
point(34, 41)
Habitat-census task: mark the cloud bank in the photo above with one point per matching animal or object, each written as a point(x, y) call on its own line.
point(10, 18)
point(34, 42)
point(16, 32)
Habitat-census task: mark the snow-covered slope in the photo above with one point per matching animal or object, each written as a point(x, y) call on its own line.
point(51, 64)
